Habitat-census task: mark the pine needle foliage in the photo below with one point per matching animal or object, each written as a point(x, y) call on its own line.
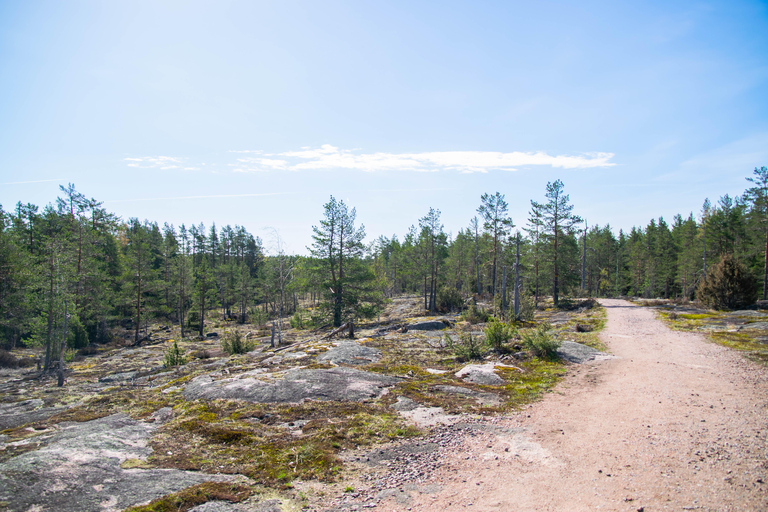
point(233, 343)
point(728, 285)
point(174, 356)
point(541, 342)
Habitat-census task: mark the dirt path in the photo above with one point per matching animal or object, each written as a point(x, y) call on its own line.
point(673, 423)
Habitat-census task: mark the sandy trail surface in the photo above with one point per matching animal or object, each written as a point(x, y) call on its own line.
point(672, 423)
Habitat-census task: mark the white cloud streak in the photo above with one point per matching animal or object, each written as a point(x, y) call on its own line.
point(158, 162)
point(331, 157)
point(35, 181)
point(328, 157)
point(212, 196)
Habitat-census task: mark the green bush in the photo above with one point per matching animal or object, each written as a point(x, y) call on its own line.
point(541, 342)
point(449, 299)
point(296, 321)
point(8, 360)
point(527, 307)
point(174, 356)
point(475, 315)
point(233, 343)
point(467, 347)
point(259, 316)
point(193, 320)
point(728, 285)
point(498, 333)
point(77, 337)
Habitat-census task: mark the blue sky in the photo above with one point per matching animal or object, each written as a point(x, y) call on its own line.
point(254, 113)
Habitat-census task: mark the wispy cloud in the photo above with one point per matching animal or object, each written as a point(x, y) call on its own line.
point(328, 157)
point(211, 196)
point(331, 157)
point(35, 181)
point(159, 162)
point(738, 157)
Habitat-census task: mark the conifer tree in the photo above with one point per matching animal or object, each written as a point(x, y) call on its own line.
point(558, 222)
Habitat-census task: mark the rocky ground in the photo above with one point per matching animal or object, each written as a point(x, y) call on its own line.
point(315, 424)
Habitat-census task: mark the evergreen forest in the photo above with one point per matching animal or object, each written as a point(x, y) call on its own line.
point(71, 271)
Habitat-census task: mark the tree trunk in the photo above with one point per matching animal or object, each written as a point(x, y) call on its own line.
point(60, 382)
point(517, 277)
point(765, 265)
point(504, 291)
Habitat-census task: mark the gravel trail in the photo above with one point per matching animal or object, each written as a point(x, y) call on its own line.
point(673, 423)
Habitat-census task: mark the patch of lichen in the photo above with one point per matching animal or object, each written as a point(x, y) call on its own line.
point(139, 403)
point(425, 393)
point(196, 495)
point(12, 451)
point(742, 342)
point(410, 352)
point(264, 441)
point(538, 376)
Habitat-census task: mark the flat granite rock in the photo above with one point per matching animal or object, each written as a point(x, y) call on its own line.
point(225, 506)
point(17, 414)
point(483, 398)
point(350, 352)
point(79, 469)
point(578, 353)
point(295, 386)
point(480, 374)
point(430, 325)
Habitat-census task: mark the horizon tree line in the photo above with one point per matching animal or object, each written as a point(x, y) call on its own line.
point(73, 271)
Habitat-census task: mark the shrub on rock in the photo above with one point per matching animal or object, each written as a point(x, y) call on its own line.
point(728, 285)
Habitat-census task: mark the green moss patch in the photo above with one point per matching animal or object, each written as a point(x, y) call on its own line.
point(196, 495)
point(742, 342)
point(272, 443)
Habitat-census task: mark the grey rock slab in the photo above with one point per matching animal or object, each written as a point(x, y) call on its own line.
point(405, 404)
point(118, 377)
point(578, 353)
point(430, 325)
point(757, 326)
point(79, 469)
point(480, 374)
point(351, 353)
point(225, 506)
point(483, 398)
point(747, 313)
point(295, 386)
point(27, 411)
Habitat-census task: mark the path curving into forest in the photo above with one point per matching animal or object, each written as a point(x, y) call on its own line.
point(673, 423)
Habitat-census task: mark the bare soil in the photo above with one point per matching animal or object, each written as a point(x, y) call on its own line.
point(674, 422)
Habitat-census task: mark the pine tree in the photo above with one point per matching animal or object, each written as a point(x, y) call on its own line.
point(496, 222)
point(338, 246)
point(558, 222)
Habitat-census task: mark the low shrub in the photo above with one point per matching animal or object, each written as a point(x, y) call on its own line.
point(566, 304)
point(475, 315)
point(541, 342)
point(498, 333)
point(233, 343)
point(174, 356)
point(8, 360)
point(449, 299)
point(728, 285)
point(201, 354)
point(297, 322)
point(467, 347)
point(193, 320)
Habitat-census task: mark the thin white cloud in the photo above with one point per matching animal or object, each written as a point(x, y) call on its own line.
point(156, 162)
point(331, 157)
point(739, 157)
point(212, 196)
point(35, 181)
